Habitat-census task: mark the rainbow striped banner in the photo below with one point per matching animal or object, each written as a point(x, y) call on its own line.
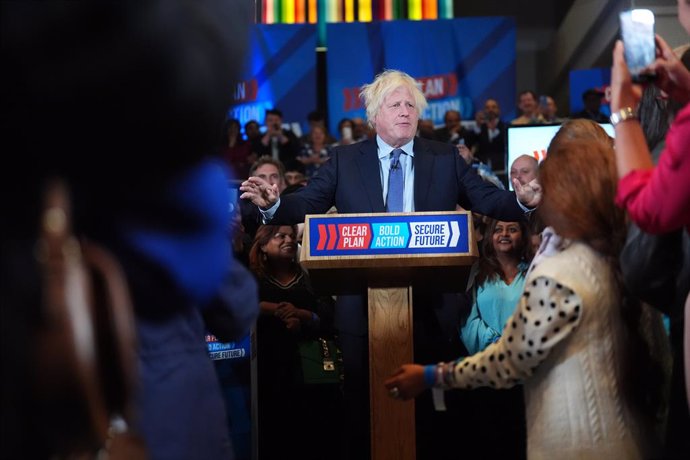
point(334, 11)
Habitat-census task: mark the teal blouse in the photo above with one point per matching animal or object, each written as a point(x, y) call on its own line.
point(492, 305)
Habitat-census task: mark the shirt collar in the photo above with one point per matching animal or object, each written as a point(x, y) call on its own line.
point(385, 149)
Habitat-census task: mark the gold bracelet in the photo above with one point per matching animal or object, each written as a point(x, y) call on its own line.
point(626, 113)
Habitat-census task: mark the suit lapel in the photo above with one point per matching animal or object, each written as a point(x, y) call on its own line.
point(368, 163)
point(423, 167)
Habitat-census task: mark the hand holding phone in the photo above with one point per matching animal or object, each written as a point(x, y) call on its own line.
point(672, 75)
point(637, 31)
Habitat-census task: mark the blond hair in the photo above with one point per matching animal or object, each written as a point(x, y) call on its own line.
point(374, 93)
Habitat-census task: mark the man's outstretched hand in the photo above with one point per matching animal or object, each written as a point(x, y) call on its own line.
point(528, 194)
point(259, 192)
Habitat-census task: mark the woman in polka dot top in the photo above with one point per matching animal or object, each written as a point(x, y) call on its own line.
point(570, 341)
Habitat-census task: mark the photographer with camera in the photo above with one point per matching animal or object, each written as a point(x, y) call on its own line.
point(278, 143)
point(490, 140)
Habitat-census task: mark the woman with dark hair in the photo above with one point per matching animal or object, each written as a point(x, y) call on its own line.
point(498, 279)
point(295, 420)
point(498, 283)
point(346, 129)
point(573, 340)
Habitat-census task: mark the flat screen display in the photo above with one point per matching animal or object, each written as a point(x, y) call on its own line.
point(533, 140)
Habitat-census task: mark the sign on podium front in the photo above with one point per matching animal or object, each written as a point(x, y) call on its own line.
point(403, 247)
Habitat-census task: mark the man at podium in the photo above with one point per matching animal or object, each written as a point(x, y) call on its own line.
point(395, 172)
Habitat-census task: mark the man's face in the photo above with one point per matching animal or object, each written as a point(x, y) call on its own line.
point(294, 177)
point(252, 130)
point(396, 120)
point(524, 169)
point(491, 109)
point(273, 121)
point(527, 103)
point(318, 135)
point(549, 108)
point(270, 174)
point(452, 120)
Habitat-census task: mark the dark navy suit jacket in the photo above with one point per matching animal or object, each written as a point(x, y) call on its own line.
point(351, 181)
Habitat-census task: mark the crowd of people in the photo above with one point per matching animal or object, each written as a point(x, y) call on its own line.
point(482, 142)
point(563, 311)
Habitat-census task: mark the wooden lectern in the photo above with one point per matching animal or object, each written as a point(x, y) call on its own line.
point(384, 255)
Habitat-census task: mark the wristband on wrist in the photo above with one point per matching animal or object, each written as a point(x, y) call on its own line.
point(430, 375)
point(626, 113)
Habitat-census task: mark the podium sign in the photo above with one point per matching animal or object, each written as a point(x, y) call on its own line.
point(384, 255)
point(386, 236)
point(411, 247)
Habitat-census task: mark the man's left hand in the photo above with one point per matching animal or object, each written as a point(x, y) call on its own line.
point(528, 194)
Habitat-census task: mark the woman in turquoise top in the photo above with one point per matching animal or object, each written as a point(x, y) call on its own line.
point(495, 288)
point(498, 282)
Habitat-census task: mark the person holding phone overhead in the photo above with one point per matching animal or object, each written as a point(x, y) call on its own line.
point(277, 142)
point(657, 198)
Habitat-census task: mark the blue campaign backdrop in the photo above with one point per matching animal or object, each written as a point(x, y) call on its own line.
point(279, 72)
point(584, 79)
point(459, 62)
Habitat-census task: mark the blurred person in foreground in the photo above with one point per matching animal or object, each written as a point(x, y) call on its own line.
point(656, 268)
point(592, 387)
point(657, 199)
point(151, 196)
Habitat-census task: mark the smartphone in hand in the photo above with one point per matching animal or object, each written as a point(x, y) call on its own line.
point(233, 196)
point(637, 31)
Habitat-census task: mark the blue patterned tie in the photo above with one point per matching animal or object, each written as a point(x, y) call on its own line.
point(396, 184)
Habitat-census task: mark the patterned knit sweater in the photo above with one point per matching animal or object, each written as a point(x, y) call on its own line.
point(566, 342)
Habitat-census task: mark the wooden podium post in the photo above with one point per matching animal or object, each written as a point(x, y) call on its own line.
point(390, 345)
point(384, 255)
